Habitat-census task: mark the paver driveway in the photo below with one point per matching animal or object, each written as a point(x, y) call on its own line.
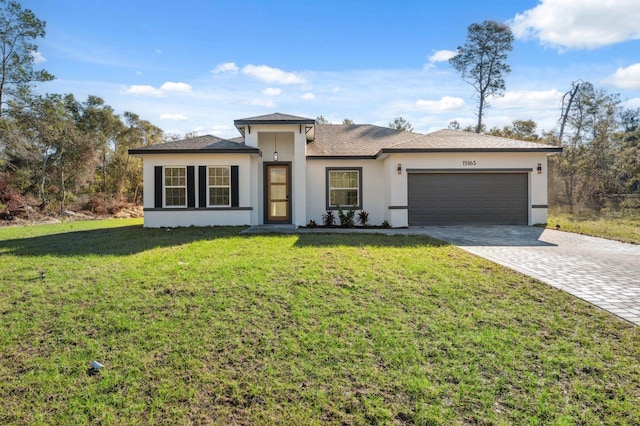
point(603, 272)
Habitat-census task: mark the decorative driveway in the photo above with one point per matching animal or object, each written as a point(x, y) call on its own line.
point(603, 272)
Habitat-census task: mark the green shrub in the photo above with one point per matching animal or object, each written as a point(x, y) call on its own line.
point(363, 217)
point(329, 218)
point(346, 219)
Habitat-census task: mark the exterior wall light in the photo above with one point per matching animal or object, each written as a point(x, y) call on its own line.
point(539, 168)
point(399, 168)
point(275, 149)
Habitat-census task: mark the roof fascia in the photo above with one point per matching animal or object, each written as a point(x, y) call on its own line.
point(496, 150)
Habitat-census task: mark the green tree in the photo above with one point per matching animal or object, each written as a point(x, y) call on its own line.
point(19, 28)
point(400, 123)
point(347, 121)
point(524, 130)
point(587, 165)
point(125, 170)
point(101, 125)
point(321, 120)
point(482, 62)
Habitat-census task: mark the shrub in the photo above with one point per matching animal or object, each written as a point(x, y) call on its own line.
point(386, 225)
point(346, 219)
point(329, 218)
point(363, 217)
point(312, 224)
point(102, 206)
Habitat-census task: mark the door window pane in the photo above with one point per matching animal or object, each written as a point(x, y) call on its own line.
point(278, 192)
point(278, 209)
point(278, 175)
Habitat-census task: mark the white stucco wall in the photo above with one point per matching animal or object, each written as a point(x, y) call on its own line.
point(374, 199)
point(385, 191)
point(398, 190)
point(199, 217)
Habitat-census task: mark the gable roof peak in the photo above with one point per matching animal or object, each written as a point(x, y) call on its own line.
point(274, 118)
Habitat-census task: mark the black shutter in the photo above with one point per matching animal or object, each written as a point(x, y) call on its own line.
point(202, 187)
point(191, 186)
point(235, 189)
point(157, 190)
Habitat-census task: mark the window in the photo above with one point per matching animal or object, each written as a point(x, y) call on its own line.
point(219, 187)
point(344, 188)
point(175, 186)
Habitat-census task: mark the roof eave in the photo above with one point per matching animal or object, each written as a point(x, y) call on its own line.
point(341, 157)
point(194, 151)
point(428, 150)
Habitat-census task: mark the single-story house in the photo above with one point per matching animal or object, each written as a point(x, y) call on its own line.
point(285, 169)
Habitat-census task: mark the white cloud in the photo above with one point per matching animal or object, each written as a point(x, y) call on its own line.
point(270, 91)
point(222, 129)
point(632, 103)
point(529, 99)
point(159, 51)
point(37, 57)
point(626, 78)
point(267, 103)
point(272, 75)
point(147, 90)
point(138, 72)
point(225, 68)
point(444, 104)
point(440, 56)
point(170, 86)
point(579, 24)
point(173, 117)
point(308, 96)
point(142, 90)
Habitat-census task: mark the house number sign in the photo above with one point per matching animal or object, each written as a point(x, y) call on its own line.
point(468, 162)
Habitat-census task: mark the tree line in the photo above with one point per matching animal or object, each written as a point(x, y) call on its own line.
point(56, 150)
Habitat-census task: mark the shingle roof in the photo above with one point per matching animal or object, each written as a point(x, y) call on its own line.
point(337, 140)
point(371, 141)
point(357, 140)
point(207, 143)
point(275, 118)
point(452, 140)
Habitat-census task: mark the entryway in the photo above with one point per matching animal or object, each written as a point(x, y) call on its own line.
point(277, 193)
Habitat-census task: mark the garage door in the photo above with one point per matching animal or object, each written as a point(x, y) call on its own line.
point(468, 198)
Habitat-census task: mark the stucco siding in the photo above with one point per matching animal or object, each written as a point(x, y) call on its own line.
point(374, 198)
point(468, 162)
point(154, 217)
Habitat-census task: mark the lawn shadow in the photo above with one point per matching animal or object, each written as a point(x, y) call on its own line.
point(119, 241)
point(358, 240)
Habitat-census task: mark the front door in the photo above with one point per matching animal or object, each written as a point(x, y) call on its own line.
point(277, 188)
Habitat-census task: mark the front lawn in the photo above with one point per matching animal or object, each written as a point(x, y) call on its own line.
point(611, 225)
point(201, 325)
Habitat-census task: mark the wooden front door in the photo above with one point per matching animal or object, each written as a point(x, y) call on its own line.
point(278, 189)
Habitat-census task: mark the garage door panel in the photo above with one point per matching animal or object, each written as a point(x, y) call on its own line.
point(460, 198)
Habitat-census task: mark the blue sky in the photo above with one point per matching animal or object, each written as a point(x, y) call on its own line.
point(198, 65)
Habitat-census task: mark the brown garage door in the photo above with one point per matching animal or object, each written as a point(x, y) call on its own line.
point(468, 198)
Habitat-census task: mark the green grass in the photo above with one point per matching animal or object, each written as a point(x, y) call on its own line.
point(201, 325)
point(614, 226)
